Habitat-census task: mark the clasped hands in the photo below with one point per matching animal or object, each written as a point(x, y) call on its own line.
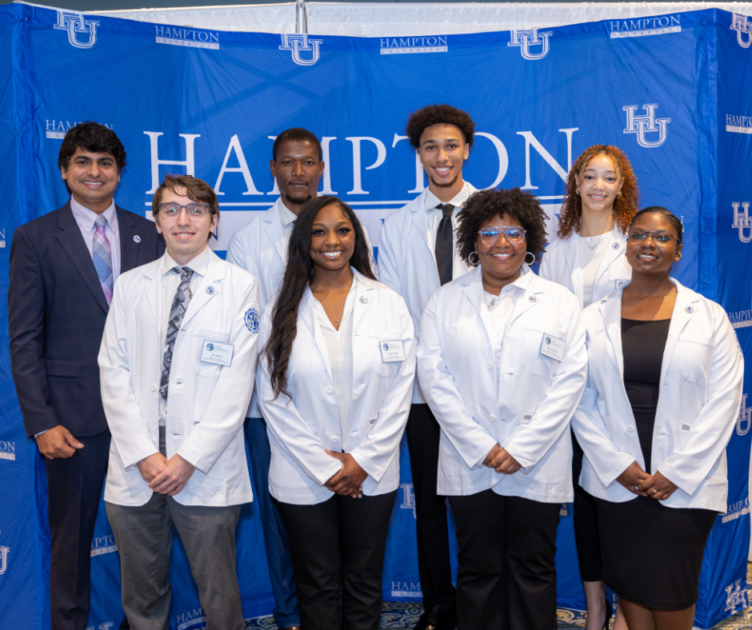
point(348, 481)
point(501, 461)
point(165, 476)
point(638, 482)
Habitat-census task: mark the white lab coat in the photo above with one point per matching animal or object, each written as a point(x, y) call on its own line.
point(407, 262)
point(301, 428)
point(538, 395)
point(261, 249)
point(561, 264)
point(698, 403)
point(207, 403)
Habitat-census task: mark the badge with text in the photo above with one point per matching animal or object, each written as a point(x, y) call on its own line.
point(391, 351)
point(217, 353)
point(552, 347)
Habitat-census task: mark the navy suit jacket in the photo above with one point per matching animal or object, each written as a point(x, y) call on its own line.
point(56, 316)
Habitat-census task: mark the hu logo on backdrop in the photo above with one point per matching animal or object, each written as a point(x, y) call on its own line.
point(77, 26)
point(741, 220)
point(641, 125)
point(741, 25)
point(408, 497)
point(744, 421)
point(526, 38)
point(735, 596)
point(4, 551)
point(299, 42)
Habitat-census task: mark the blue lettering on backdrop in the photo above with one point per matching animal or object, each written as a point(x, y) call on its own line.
point(539, 98)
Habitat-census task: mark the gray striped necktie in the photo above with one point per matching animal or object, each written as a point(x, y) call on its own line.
point(179, 307)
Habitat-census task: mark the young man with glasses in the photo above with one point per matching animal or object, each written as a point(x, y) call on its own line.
point(417, 254)
point(179, 345)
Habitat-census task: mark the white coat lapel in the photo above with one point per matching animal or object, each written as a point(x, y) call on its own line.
point(419, 222)
point(308, 317)
point(572, 257)
point(364, 295)
point(472, 283)
point(153, 289)
point(275, 233)
point(533, 296)
point(614, 251)
point(209, 288)
point(684, 308)
point(611, 312)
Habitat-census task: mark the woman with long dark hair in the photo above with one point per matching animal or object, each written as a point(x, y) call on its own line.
point(664, 388)
point(334, 381)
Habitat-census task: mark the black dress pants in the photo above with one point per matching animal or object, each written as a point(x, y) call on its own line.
point(423, 434)
point(339, 544)
point(507, 576)
point(585, 518)
point(74, 488)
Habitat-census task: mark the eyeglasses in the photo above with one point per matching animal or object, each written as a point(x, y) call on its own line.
point(194, 210)
point(662, 237)
point(489, 235)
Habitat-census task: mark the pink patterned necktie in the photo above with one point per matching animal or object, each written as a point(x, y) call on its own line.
point(102, 255)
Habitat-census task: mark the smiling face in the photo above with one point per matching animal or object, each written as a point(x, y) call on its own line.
point(501, 261)
point(297, 170)
point(92, 179)
point(598, 184)
point(332, 240)
point(185, 238)
point(442, 152)
point(650, 256)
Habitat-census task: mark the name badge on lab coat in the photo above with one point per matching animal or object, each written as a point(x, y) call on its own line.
point(391, 351)
point(552, 347)
point(217, 353)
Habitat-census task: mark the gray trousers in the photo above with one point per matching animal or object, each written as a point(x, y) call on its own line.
point(144, 538)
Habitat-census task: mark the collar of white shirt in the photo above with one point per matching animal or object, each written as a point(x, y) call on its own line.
point(286, 216)
point(86, 218)
point(198, 263)
point(459, 199)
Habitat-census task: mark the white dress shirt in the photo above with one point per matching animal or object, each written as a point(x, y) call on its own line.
point(592, 249)
point(339, 348)
point(170, 284)
point(85, 219)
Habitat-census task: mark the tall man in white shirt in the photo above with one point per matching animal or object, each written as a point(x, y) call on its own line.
point(261, 248)
point(177, 362)
point(418, 254)
point(63, 266)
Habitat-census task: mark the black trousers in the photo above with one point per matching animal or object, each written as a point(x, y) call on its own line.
point(339, 544)
point(586, 535)
point(423, 434)
point(507, 575)
point(74, 487)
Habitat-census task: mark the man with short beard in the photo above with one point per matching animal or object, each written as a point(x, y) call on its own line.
point(261, 248)
point(418, 254)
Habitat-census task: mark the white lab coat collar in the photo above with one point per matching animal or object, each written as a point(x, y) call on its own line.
point(430, 201)
point(612, 253)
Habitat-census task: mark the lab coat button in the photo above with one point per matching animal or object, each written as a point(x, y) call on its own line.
point(630, 428)
point(329, 389)
point(179, 382)
point(489, 365)
point(492, 418)
point(510, 371)
point(154, 387)
point(335, 439)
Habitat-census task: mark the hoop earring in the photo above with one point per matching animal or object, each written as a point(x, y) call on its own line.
point(532, 262)
point(473, 261)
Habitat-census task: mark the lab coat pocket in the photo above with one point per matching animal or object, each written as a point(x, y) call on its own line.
point(694, 356)
point(535, 362)
point(381, 367)
point(205, 334)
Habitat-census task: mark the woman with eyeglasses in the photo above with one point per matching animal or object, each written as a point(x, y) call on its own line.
point(663, 395)
point(588, 259)
point(502, 364)
point(335, 381)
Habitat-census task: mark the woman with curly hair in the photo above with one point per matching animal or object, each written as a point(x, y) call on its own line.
point(502, 364)
point(335, 379)
point(588, 258)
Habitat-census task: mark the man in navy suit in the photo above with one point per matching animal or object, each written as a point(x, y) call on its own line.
point(63, 266)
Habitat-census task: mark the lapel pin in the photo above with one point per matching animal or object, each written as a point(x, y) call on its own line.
point(615, 245)
point(689, 310)
point(210, 290)
point(363, 299)
point(532, 298)
point(136, 239)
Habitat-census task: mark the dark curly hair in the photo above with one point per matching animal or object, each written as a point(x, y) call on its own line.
point(513, 203)
point(91, 136)
point(298, 275)
point(625, 206)
point(423, 118)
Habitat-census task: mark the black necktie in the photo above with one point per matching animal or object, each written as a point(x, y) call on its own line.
point(444, 244)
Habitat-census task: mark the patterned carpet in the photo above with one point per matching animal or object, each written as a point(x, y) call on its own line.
point(401, 616)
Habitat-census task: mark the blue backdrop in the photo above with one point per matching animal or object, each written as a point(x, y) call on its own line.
point(672, 91)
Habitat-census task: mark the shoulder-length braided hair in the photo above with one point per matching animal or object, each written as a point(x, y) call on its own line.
point(298, 275)
point(625, 206)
